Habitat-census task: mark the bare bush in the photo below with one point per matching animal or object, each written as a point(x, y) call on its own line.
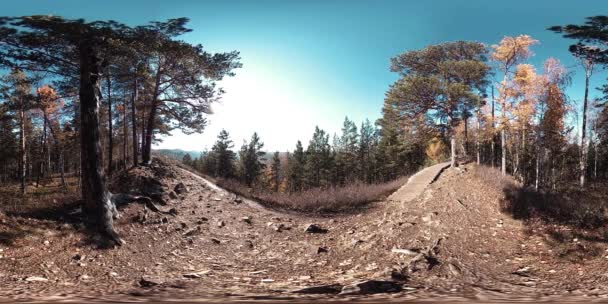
point(318, 200)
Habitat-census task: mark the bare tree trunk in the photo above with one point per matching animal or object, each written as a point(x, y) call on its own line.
point(503, 146)
point(22, 151)
point(583, 160)
point(452, 142)
point(110, 132)
point(42, 154)
point(146, 154)
point(537, 177)
point(493, 130)
point(125, 135)
point(134, 120)
point(595, 161)
point(149, 134)
point(477, 144)
point(97, 205)
point(466, 135)
point(143, 128)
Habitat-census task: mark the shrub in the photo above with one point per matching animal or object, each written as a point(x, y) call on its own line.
point(318, 200)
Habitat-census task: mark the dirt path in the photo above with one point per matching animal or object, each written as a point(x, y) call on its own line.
point(417, 183)
point(444, 240)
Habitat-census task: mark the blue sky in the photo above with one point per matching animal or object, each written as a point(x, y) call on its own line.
point(308, 63)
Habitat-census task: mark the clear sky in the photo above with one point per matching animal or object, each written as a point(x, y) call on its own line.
point(308, 63)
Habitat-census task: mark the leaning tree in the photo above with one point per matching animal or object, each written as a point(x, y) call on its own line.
point(183, 79)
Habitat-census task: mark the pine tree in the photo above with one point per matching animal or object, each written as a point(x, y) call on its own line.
point(187, 159)
point(251, 156)
point(275, 172)
point(367, 148)
point(222, 157)
point(348, 150)
point(296, 168)
point(318, 160)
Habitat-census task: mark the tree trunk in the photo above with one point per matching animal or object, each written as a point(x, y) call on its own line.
point(110, 132)
point(537, 169)
point(134, 121)
point(466, 136)
point(42, 155)
point(97, 205)
point(503, 147)
point(143, 128)
point(493, 135)
point(149, 134)
point(595, 160)
point(583, 160)
point(22, 154)
point(146, 154)
point(452, 142)
point(125, 133)
point(477, 143)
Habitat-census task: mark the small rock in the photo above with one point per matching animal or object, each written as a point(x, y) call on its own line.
point(524, 271)
point(192, 275)
point(164, 220)
point(246, 219)
point(180, 188)
point(46, 243)
point(215, 241)
point(147, 281)
point(322, 250)
point(405, 251)
point(371, 287)
point(173, 211)
point(267, 280)
point(238, 200)
point(173, 195)
point(193, 231)
point(248, 244)
point(112, 274)
point(314, 228)
point(220, 224)
point(78, 257)
point(36, 279)
point(323, 289)
point(84, 277)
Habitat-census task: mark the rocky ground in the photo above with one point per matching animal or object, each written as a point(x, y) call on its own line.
point(451, 243)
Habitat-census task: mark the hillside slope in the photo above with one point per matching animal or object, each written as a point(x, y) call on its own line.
point(450, 242)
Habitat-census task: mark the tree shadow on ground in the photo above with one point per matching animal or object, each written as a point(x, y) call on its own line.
point(573, 221)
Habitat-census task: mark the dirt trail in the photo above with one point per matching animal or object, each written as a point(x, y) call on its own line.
point(417, 183)
point(450, 242)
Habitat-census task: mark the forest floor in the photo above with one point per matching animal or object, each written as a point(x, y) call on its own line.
point(460, 240)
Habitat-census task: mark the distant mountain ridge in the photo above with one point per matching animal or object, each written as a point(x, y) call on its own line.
point(178, 154)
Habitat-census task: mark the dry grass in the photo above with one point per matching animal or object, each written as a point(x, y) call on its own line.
point(569, 205)
point(318, 200)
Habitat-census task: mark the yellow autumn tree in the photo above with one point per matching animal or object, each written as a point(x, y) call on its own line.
point(436, 149)
point(509, 53)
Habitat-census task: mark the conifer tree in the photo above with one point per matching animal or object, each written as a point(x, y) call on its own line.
point(221, 158)
point(296, 168)
point(250, 157)
point(275, 172)
point(318, 160)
